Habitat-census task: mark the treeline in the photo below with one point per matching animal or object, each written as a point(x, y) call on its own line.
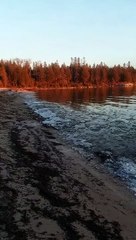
point(22, 73)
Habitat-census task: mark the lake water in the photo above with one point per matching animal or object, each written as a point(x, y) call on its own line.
point(96, 122)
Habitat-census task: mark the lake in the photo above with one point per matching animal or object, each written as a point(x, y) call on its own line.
point(96, 122)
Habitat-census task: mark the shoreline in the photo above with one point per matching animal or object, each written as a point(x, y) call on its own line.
point(47, 189)
point(23, 89)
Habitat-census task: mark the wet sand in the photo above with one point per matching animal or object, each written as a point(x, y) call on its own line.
point(47, 191)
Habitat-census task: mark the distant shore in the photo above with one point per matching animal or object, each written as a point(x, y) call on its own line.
point(48, 191)
point(21, 89)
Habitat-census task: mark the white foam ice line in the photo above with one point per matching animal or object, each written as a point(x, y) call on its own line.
point(45, 112)
point(128, 166)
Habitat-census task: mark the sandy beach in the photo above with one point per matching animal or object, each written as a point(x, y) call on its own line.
point(48, 191)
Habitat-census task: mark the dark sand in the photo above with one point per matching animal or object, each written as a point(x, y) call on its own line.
point(47, 191)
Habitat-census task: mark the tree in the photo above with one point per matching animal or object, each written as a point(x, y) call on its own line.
point(3, 76)
point(85, 74)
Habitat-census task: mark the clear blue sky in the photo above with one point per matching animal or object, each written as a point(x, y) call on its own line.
point(50, 30)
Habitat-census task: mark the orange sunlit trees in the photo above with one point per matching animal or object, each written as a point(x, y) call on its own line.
point(3, 76)
point(23, 73)
point(85, 75)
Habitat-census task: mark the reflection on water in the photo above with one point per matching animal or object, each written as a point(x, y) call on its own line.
point(95, 121)
point(85, 96)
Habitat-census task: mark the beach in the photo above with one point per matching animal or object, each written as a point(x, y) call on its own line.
point(48, 191)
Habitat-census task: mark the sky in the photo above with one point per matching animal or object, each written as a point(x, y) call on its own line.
point(50, 30)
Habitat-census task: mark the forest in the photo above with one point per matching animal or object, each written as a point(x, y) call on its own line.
point(26, 74)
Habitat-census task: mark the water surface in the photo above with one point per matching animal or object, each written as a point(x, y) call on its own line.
point(95, 122)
